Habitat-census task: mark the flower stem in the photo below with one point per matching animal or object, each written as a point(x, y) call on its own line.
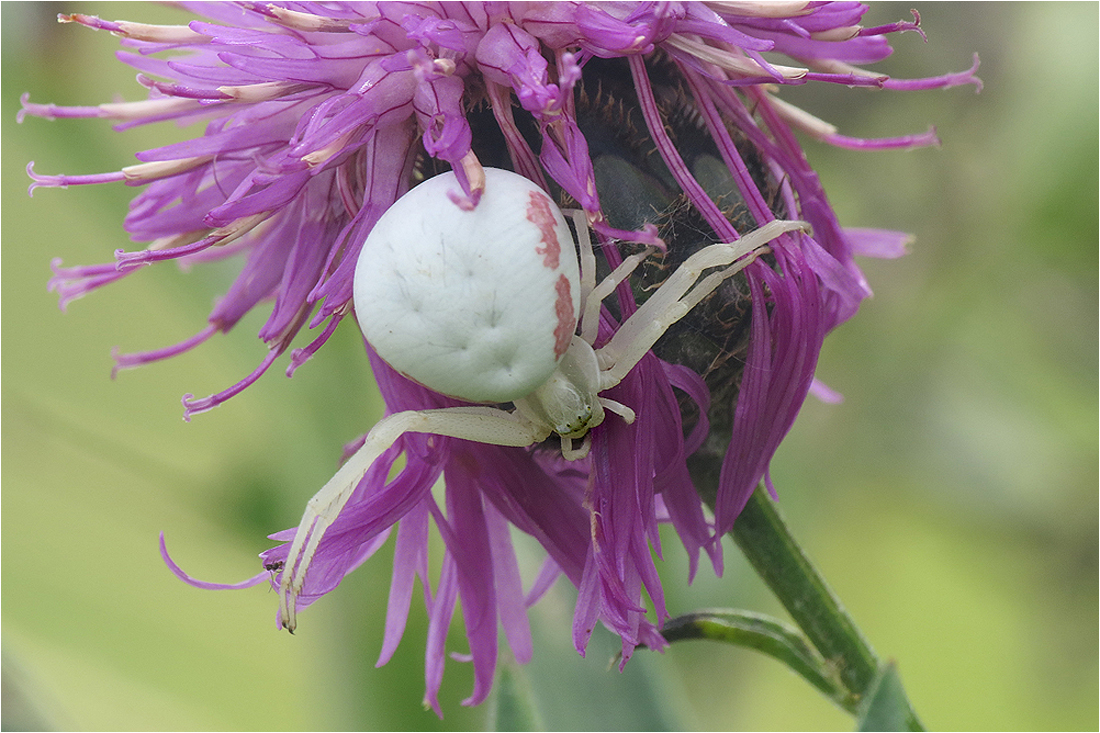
point(762, 535)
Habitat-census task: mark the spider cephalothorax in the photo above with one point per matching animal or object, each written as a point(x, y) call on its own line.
point(494, 304)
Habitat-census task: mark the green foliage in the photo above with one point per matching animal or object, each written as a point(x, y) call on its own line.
point(767, 635)
point(885, 707)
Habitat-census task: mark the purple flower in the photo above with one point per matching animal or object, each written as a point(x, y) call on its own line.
point(662, 121)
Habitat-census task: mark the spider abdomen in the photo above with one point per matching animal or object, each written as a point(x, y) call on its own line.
point(476, 304)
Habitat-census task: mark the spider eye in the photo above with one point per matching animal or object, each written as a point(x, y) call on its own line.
point(476, 304)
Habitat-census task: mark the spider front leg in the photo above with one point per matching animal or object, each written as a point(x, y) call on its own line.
point(592, 294)
point(482, 424)
point(681, 292)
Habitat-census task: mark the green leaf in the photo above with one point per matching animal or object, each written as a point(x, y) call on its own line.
point(885, 707)
point(767, 635)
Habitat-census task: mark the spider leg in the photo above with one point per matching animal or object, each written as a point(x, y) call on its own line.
point(590, 321)
point(681, 292)
point(569, 453)
point(592, 295)
point(619, 409)
point(586, 255)
point(482, 424)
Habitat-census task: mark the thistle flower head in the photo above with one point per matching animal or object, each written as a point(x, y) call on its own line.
point(663, 121)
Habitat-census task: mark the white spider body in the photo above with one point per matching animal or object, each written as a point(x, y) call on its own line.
point(476, 304)
point(471, 304)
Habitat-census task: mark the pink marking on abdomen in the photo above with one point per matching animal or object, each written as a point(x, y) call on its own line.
point(567, 320)
point(541, 215)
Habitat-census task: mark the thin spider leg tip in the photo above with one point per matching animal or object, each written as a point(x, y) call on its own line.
point(295, 568)
point(287, 613)
point(570, 453)
point(316, 520)
point(628, 415)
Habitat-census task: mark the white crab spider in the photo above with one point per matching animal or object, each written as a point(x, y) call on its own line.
point(485, 305)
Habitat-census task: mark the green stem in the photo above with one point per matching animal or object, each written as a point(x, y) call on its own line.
point(763, 537)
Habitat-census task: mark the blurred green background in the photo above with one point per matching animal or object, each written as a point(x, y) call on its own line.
point(951, 500)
